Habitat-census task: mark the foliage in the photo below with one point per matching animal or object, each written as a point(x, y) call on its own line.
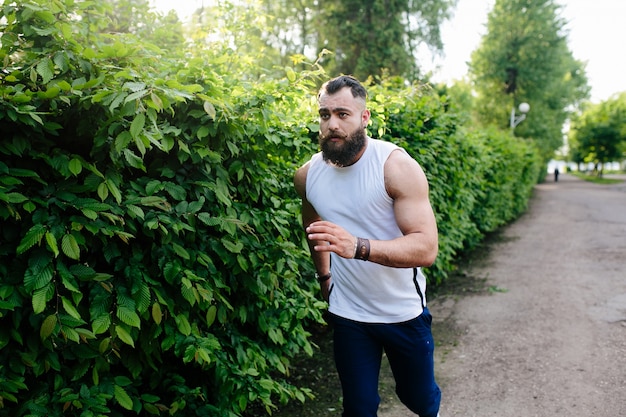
point(365, 37)
point(598, 134)
point(239, 31)
point(479, 180)
point(148, 260)
point(524, 57)
point(151, 258)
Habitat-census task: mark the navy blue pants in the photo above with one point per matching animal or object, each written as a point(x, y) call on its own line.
point(409, 347)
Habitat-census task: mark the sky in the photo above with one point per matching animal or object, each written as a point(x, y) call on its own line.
point(597, 34)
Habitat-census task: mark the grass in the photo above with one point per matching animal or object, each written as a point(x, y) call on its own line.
point(594, 178)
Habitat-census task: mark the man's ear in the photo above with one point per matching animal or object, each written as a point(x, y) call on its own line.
point(365, 117)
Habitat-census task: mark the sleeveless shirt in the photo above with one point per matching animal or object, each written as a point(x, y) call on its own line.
point(355, 198)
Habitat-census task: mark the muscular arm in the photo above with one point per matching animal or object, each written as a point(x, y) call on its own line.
point(407, 185)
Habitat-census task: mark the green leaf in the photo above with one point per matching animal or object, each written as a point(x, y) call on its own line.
point(114, 191)
point(234, 247)
point(137, 125)
point(90, 214)
point(209, 220)
point(141, 294)
point(75, 166)
point(128, 316)
point(123, 140)
point(39, 274)
point(45, 68)
point(48, 326)
point(124, 335)
point(70, 334)
point(86, 334)
point(134, 86)
point(221, 192)
point(32, 238)
point(209, 109)
point(135, 211)
point(69, 246)
point(183, 324)
point(156, 100)
point(101, 324)
point(133, 160)
point(70, 309)
point(103, 191)
point(41, 297)
point(157, 314)
point(83, 272)
point(135, 96)
point(123, 381)
point(52, 243)
point(202, 132)
point(122, 397)
point(15, 198)
point(180, 251)
point(210, 315)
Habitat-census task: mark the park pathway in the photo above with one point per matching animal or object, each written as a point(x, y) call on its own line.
point(548, 335)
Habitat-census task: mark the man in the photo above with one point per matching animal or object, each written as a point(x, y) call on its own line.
point(366, 212)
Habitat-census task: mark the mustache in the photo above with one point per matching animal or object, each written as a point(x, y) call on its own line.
point(333, 135)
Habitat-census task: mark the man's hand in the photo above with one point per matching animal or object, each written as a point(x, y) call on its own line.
point(337, 239)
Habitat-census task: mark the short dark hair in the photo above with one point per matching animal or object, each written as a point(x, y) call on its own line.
point(334, 85)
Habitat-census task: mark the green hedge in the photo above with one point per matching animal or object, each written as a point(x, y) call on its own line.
point(151, 257)
point(480, 179)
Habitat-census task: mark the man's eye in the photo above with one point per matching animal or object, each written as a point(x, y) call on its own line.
point(324, 116)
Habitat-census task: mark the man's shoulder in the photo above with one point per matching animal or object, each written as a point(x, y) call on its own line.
point(383, 145)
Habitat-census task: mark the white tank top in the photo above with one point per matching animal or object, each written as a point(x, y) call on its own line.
point(355, 198)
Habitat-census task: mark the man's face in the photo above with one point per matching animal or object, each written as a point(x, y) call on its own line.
point(342, 127)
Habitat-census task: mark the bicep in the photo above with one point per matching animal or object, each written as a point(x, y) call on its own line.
point(408, 186)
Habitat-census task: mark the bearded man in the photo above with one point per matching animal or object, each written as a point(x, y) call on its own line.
point(370, 228)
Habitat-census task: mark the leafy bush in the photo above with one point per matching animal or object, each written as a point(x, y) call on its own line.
point(479, 179)
point(151, 257)
point(150, 250)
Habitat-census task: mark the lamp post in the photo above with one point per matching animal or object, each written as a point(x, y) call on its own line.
point(523, 109)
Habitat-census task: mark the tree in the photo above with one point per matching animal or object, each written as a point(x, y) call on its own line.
point(366, 37)
point(598, 135)
point(136, 17)
point(292, 27)
point(524, 57)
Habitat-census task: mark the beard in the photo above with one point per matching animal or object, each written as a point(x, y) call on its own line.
point(342, 153)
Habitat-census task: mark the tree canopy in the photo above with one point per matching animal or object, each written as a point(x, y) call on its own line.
point(365, 37)
point(524, 57)
point(598, 134)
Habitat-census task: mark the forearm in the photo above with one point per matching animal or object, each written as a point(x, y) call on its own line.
point(409, 251)
point(413, 249)
point(321, 260)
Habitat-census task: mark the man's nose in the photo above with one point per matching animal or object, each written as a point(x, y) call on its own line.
point(333, 123)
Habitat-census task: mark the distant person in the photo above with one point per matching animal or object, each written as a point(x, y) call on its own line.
point(556, 175)
point(369, 223)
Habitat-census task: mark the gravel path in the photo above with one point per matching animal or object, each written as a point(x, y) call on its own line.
point(549, 338)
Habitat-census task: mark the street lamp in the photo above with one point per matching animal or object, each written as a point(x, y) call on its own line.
point(523, 109)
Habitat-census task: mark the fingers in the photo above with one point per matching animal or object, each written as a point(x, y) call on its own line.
point(324, 231)
point(336, 238)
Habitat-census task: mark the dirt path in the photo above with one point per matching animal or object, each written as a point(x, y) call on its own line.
point(535, 326)
point(548, 336)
